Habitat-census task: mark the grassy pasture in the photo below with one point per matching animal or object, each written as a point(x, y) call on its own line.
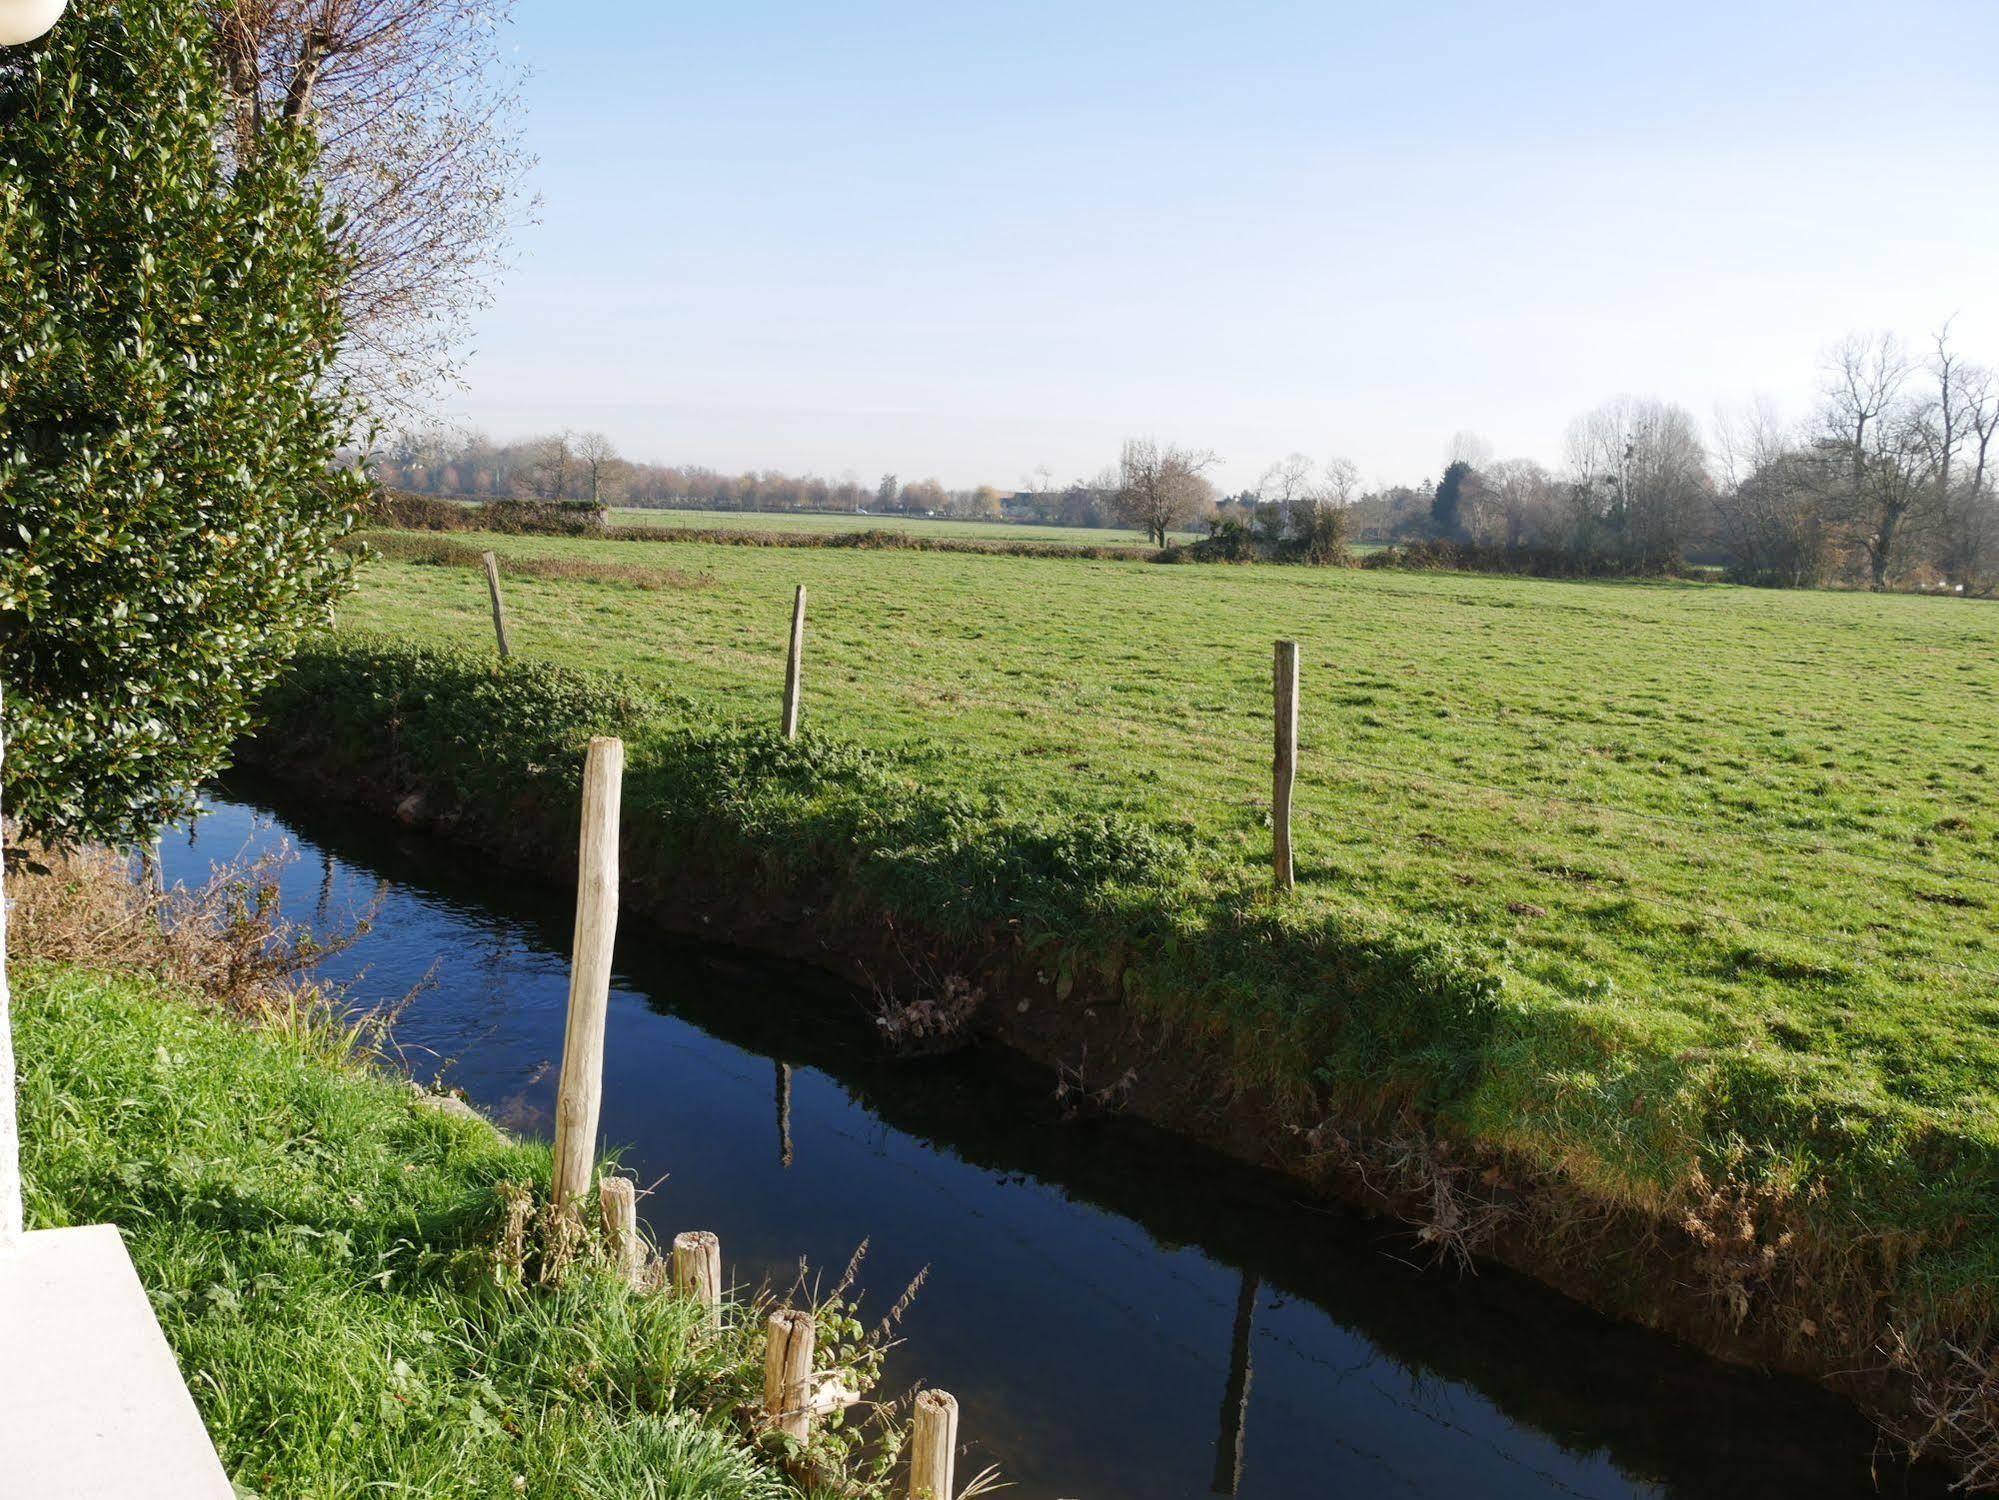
point(981, 531)
point(322, 1255)
point(1732, 855)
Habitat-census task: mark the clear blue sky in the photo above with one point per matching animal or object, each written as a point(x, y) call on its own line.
point(968, 240)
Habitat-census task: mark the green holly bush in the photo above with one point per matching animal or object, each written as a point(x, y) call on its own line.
point(168, 503)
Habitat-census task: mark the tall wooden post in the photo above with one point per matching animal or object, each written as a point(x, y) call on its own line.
point(795, 665)
point(499, 609)
point(788, 1373)
point(10, 1138)
point(579, 1096)
point(1284, 763)
point(1235, 1399)
point(933, 1447)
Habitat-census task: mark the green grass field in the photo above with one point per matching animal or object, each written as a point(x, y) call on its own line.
point(1728, 859)
point(981, 531)
point(322, 1255)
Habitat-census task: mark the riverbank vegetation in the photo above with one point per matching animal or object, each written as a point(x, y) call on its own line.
point(1644, 950)
point(349, 1275)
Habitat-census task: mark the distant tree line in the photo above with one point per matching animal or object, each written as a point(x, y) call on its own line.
point(588, 466)
point(1892, 480)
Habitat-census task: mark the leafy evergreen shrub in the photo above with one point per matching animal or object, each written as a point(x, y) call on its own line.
point(167, 515)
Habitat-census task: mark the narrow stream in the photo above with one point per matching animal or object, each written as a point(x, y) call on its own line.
point(1122, 1315)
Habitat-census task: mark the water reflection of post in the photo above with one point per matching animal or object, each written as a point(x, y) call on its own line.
point(1235, 1401)
point(325, 887)
point(784, 1114)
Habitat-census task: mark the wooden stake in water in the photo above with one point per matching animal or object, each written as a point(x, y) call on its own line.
point(579, 1097)
point(697, 1271)
point(933, 1447)
point(499, 609)
point(1284, 764)
point(795, 665)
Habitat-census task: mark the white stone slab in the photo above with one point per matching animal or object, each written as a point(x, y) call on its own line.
point(92, 1405)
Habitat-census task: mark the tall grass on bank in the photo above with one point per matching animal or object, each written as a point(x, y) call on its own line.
point(344, 1273)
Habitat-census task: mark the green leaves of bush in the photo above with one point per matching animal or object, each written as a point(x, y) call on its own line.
point(166, 321)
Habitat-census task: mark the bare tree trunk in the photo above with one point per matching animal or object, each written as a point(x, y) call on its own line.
point(239, 45)
point(313, 52)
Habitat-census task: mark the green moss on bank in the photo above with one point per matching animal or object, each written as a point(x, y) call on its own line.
point(320, 1251)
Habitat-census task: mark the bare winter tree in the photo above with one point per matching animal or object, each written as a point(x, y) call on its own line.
point(1955, 428)
point(1286, 495)
point(1900, 480)
point(1862, 418)
point(1639, 477)
point(1468, 447)
point(598, 457)
point(551, 469)
point(1160, 486)
point(1340, 481)
point(1288, 479)
point(1977, 543)
point(1772, 519)
point(1520, 502)
point(416, 107)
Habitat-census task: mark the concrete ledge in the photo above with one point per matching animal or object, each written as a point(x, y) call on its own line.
point(92, 1405)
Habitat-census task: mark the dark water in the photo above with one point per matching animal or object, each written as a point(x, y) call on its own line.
point(1121, 1315)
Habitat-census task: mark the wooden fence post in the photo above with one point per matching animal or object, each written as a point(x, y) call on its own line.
point(1284, 764)
point(618, 1201)
point(697, 1271)
point(933, 1447)
point(788, 1373)
point(499, 609)
point(579, 1096)
point(794, 665)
